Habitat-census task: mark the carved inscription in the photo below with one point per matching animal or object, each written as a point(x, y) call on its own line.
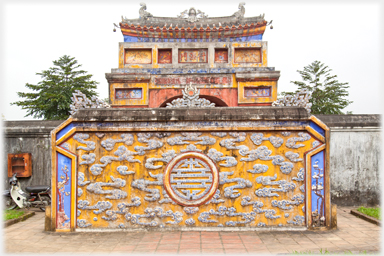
point(224, 80)
point(193, 55)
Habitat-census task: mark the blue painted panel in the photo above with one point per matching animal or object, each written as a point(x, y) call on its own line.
point(63, 131)
point(63, 199)
point(130, 39)
point(317, 183)
point(317, 128)
point(228, 39)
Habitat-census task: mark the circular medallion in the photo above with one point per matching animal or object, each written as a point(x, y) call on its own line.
point(191, 179)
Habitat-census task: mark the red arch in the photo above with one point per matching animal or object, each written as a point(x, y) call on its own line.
point(218, 102)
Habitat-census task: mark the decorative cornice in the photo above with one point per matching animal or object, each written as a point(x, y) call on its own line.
point(258, 76)
point(190, 99)
point(127, 78)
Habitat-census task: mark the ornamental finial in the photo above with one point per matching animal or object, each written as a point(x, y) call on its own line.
point(300, 99)
point(80, 101)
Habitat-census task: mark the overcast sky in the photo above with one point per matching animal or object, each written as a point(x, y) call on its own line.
point(344, 35)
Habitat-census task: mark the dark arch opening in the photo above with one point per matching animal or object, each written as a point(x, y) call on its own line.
point(218, 102)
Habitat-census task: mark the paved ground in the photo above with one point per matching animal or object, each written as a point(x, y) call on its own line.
point(353, 234)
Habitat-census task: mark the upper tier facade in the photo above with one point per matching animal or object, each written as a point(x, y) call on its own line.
point(223, 57)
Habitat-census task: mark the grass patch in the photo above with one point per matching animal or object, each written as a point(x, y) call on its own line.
point(12, 214)
point(373, 212)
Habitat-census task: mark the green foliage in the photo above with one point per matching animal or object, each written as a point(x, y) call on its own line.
point(373, 212)
point(12, 214)
point(52, 97)
point(327, 92)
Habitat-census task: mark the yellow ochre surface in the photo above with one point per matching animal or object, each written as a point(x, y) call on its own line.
point(239, 173)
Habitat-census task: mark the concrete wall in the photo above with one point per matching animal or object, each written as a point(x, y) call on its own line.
point(355, 158)
point(29, 137)
point(355, 155)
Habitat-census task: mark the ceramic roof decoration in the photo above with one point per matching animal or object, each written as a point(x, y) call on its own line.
point(191, 99)
point(192, 25)
point(300, 99)
point(81, 101)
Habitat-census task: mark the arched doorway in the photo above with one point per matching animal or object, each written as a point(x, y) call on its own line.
point(218, 102)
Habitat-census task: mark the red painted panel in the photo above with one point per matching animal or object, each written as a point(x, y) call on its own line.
point(227, 95)
point(165, 56)
point(221, 55)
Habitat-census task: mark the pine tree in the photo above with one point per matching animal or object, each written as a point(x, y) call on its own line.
point(52, 98)
point(327, 92)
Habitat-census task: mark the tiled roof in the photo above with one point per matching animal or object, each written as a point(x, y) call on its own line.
point(193, 25)
point(192, 32)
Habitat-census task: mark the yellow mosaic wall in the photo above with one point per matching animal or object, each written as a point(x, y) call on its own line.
point(120, 179)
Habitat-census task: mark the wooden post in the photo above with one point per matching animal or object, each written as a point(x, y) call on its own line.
point(334, 216)
point(48, 219)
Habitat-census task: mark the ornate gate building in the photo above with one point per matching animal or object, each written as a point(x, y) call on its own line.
point(191, 139)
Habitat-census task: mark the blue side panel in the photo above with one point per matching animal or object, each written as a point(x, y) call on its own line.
point(63, 131)
point(317, 128)
point(63, 199)
point(230, 39)
point(317, 183)
point(130, 39)
point(256, 37)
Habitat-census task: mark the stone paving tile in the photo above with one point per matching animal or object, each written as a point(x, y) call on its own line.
point(166, 251)
point(212, 246)
point(255, 246)
point(212, 251)
point(189, 251)
point(235, 251)
point(352, 234)
point(278, 251)
point(209, 241)
point(190, 246)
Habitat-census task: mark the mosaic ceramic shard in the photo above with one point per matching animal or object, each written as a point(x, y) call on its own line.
point(80, 101)
point(300, 99)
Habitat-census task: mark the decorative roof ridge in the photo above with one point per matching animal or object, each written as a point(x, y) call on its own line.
point(192, 26)
point(192, 17)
